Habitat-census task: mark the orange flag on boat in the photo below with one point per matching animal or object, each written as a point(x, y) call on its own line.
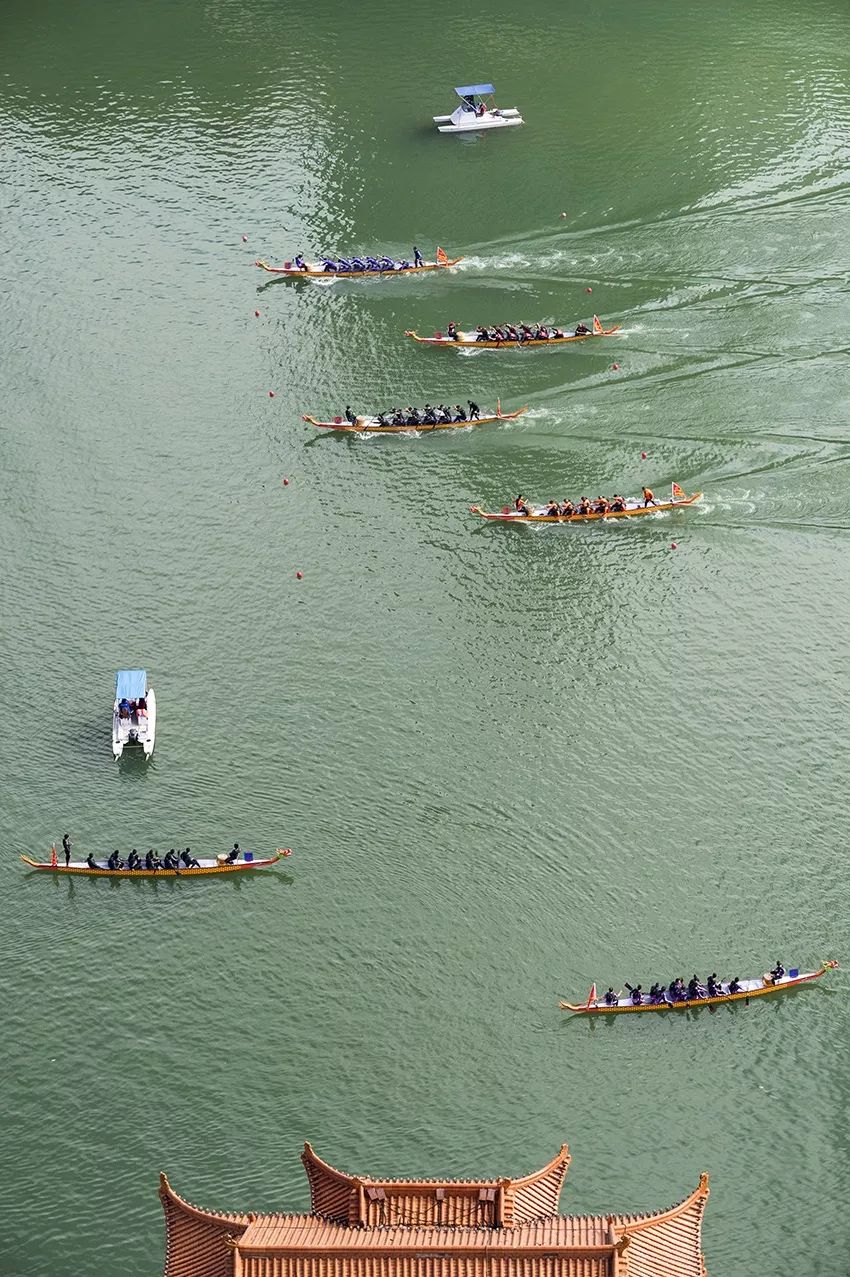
point(597, 324)
point(591, 997)
point(442, 257)
point(679, 494)
point(53, 861)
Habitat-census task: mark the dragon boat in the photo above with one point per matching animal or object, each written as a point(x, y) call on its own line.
point(463, 338)
point(758, 987)
point(371, 425)
point(679, 500)
point(316, 270)
point(207, 866)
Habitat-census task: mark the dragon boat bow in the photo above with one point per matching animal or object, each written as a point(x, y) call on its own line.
point(206, 866)
point(758, 987)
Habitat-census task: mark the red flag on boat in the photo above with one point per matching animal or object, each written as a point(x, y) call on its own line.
point(597, 324)
point(53, 861)
point(591, 997)
point(442, 257)
point(679, 494)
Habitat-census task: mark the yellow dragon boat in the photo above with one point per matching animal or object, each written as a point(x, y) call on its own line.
point(373, 426)
point(506, 343)
point(679, 500)
point(206, 867)
point(759, 987)
point(318, 270)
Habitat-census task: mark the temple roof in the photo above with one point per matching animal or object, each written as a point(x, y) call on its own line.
point(362, 1200)
point(212, 1244)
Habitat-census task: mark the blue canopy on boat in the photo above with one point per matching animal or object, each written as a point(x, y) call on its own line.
point(130, 684)
point(475, 90)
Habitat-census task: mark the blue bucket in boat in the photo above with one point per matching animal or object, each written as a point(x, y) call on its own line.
point(249, 855)
point(793, 973)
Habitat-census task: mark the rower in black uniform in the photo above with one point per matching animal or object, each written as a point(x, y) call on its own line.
point(91, 862)
point(460, 415)
point(714, 989)
point(300, 264)
point(735, 985)
point(133, 861)
point(777, 972)
point(582, 330)
point(114, 861)
point(429, 417)
point(349, 415)
point(637, 996)
point(417, 256)
point(473, 410)
point(149, 859)
point(611, 998)
point(168, 860)
point(66, 847)
point(451, 330)
point(189, 860)
point(234, 855)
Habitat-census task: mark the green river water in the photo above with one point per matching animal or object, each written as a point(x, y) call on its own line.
point(509, 761)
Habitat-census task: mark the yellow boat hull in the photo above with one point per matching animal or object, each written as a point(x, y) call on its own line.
point(205, 870)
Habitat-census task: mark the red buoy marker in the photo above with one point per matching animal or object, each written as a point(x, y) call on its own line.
point(615, 367)
point(674, 545)
point(643, 456)
point(244, 239)
point(271, 394)
point(286, 483)
point(588, 290)
point(256, 314)
point(298, 576)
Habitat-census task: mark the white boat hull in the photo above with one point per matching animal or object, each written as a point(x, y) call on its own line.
point(468, 122)
point(131, 731)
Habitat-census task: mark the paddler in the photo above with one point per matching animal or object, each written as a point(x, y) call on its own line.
point(300, 264)
point(91, 862)
point(618, 505)
point(451, 330)
point(648, 497)
point(233, 855)
point(611, 998)
point(460, 415)
point(636, 995)
point(521, 507)
point(735, 985)
point(584, 506)
point(777, 972)
point(473, 410)
point(189, 860)
point(602, 505)
point(552, 510)
point(133, 861)
point(582, 330)
point(567, 509)
point(349, 415)
point(417, 257)
point(714, 989)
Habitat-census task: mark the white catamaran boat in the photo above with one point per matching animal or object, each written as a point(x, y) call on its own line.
point(134, 712)
point(476, 112)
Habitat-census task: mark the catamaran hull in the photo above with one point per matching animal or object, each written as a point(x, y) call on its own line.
point(505, 121)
